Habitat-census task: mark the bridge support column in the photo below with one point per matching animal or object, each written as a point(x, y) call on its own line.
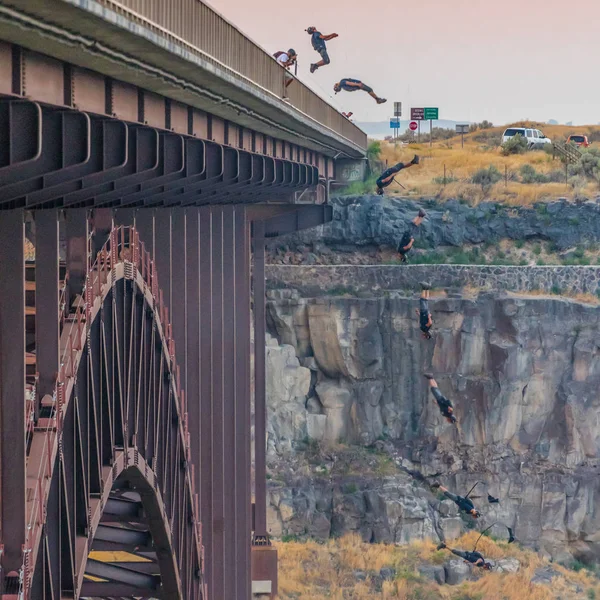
point(47, 326)
point(12, 399)
point(77, 251)
point(264, 556)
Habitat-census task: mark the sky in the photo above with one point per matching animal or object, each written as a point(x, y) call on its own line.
point(501, 60)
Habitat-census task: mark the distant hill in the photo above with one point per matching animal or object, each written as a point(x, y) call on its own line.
point(380, 129)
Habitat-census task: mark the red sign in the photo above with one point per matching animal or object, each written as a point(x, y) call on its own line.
point(413, 126)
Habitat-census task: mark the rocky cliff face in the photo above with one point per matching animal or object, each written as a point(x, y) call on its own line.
point(372, 221)
point(523, 374)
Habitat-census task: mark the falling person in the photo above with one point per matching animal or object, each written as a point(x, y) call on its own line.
point(389, 175)
point(473, 557)
point(425, 319)
point(353, 85)
point(447, 411)
point(318, 43)
point(464, 503)
point(408, 237)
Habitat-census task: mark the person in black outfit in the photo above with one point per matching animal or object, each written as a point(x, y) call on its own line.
point(425, 320)
point(318, 43)
point(353, 85)
point(408, 237)
point(464, 503)
point(445, 405)
point(388, 176)
point(473, 557)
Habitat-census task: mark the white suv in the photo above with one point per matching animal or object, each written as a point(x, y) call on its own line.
point(535, 138)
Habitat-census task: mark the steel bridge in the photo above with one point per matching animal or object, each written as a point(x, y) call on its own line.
point(146, 153)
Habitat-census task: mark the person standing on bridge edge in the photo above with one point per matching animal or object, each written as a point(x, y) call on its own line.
point(353, 85)
point(388, 176)
point(318, 43)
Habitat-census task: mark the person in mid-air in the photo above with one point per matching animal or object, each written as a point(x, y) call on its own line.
point(318, 43)
point(446, 409)
point(425, 320)
point(286, 60)
point(388, 176)
point(473, 557)
point(353, 85)
point(464, 503)
point(408, 237)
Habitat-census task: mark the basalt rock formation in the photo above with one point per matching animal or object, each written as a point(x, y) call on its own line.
point(372, 221)
point(350, 412)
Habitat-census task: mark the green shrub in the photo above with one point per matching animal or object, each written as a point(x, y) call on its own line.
point(557, 176)
point(442, 181)
point(519, 244)
point(541, 209)
point(591, 594)
point(537, 249)
point(579, 252)
point(351, 488)
point(373, 150)
point(359, 188)
point(486, 178)
point(340, 290)
point(501, 254)
point(431, 258)
point(515, 145)
point(556, 290)
point(540, 263)
point(290, 538)
point(530, 175)
point(578, 566)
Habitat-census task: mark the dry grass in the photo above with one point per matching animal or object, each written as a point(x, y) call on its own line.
point(327, 571)
point(462, 163)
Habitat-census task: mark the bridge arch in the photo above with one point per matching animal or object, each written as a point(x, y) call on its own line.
point(109, 466)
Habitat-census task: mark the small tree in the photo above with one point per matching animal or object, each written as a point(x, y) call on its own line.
point(373, 150)
point(486, 178)
point(517, 144)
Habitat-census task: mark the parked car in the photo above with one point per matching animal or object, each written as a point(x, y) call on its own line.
point(535, 138)
point(578, 140)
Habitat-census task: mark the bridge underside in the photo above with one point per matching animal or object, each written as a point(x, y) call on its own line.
point(200, 211)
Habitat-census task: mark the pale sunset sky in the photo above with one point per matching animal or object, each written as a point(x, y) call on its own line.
point(501, 60)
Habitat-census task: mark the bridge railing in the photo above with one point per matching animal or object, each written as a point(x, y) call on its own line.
point(200, 29)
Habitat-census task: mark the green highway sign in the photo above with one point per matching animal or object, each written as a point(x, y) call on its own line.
point(431, 114)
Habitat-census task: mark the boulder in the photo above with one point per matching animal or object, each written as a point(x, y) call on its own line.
point(387, 573)
point(456, 571)
point(544, 576)
point(508, 565)
point(435, 573)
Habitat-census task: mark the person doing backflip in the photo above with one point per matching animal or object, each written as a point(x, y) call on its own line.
point(408, 237)
point(445, 406)
point(353, 85)
point(473, 557)
point(388, 176)
point(425, 320)
point(464, 503)
point(318, 43)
